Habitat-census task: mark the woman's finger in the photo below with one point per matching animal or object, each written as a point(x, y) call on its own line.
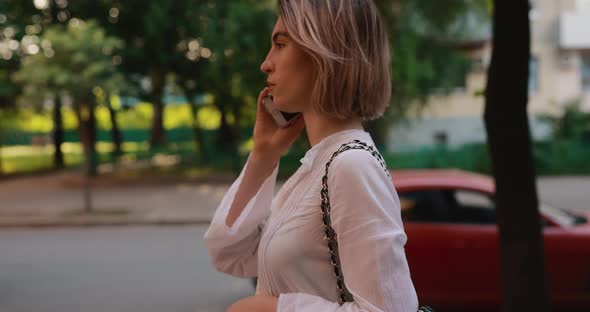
point(261, 112)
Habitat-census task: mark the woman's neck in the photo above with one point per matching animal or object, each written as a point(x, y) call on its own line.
point(319, 126)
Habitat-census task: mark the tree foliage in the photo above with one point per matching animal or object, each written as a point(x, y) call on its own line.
point(238, 35)
point(75, 59)
point(154, 33)
point(573, 123)
point(216, 47)
point(16, 16)
point(424, 36)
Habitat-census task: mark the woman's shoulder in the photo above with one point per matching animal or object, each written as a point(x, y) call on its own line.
point(356, 162)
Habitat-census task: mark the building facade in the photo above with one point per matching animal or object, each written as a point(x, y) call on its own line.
point(559, 74)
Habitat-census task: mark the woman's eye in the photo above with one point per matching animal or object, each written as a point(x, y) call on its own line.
point(279, 45)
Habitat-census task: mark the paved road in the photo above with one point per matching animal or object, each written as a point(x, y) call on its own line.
point(147, 269)
point(49, 196)
point(567, 192)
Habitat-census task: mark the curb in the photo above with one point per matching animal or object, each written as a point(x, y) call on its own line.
point(78, 181)
point(95, 222)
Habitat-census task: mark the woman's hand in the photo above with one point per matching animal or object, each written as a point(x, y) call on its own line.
point(271, 141)
point(257, 303)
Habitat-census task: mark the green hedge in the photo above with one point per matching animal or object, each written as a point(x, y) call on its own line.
point(18, 137)
point(571, 157)
point(551, 157)
point(563, 157)
point(471, 157)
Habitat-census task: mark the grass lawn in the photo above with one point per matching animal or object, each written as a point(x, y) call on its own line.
point(181, 159)
point(19, 159)
point(15, 159)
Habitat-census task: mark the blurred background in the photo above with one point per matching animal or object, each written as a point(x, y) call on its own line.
point(171, 87)
point(140, 113)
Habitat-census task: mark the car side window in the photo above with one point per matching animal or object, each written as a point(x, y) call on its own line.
point(425, 206)
point(447, 206)
point(450, 206)
point(473, 208)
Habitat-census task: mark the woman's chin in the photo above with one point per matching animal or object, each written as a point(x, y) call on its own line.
point(279, 104)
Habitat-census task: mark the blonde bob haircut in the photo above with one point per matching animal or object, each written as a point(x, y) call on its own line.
point(349, 46)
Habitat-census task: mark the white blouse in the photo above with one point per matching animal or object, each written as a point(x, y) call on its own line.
point(281, 239)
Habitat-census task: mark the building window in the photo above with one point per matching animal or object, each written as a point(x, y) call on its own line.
point(585, 71)
point(441, 138)
point(534, 12)
point(533, 74)
point(583, 5)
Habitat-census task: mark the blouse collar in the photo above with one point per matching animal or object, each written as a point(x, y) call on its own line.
point(308, 161)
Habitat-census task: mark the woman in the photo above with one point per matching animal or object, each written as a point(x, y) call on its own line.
point(329, 60)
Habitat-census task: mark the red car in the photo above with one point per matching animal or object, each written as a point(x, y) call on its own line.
point(452, 246)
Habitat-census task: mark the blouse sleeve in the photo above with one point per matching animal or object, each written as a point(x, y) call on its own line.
point(365, 213)
point(233, 250)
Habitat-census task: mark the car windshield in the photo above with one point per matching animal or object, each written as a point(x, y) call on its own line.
point(468, 207)
point(562, 217)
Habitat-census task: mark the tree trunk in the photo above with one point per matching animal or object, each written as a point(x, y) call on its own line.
point(85, 139)
point(524, 287)
point(378, 131)
point(87, 130)
point(115, 131)
point(93, 157)
point(58, 133)
point(1, 141)
point(237, 137)
point(157, 135)
point(226, 138)
point(198, 136)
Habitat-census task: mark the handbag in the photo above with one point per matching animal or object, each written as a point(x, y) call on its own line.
point(344, 294)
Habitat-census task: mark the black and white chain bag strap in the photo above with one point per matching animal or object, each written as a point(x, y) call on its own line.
point(343, 292)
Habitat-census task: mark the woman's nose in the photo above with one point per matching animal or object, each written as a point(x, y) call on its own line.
point(266, 66)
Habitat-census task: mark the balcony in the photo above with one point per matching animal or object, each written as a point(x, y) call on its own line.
point(573, 30)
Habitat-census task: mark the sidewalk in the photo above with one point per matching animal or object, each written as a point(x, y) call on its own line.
point(56, 199)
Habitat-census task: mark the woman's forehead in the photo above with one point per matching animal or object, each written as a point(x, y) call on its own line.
point(279, 26)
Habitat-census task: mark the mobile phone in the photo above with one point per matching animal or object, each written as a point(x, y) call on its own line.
point(282, 119)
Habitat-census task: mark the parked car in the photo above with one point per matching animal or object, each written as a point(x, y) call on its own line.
point(452, 249)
